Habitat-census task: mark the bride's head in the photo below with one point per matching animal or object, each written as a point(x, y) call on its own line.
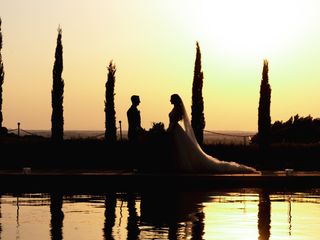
point(177, 104)
point(175, 99)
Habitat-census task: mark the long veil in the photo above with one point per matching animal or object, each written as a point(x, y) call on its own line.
point(188, 128)
point(221, 166)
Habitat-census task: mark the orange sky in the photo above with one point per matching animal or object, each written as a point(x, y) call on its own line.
point(153, 46)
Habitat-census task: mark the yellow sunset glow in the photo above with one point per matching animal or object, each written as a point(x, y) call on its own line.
point(152, 44)
point(253, 29)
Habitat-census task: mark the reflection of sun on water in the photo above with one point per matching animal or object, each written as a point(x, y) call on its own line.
point(232, 217)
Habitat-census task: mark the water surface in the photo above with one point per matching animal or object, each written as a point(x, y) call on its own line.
point(229, 214)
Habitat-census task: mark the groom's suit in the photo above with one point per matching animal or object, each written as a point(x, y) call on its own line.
point(134, 122)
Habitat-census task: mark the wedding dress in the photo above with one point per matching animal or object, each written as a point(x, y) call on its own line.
point(188, 155)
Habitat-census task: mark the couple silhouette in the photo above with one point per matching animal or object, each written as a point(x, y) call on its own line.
point(186, 154)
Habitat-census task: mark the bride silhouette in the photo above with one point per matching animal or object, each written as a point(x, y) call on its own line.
point(187, 153)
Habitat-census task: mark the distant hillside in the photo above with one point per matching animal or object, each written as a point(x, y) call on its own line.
point(210, 137)
point(228, 137)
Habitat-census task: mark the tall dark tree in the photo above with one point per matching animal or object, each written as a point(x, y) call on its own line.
point(1, 76)
point(110, 124)
point(264, 119)
point(197, 115)
point(57, 93)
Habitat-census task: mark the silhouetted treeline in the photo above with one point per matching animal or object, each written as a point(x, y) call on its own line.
point(57, 93)
point(152, 154)
point(264, 119)
point(110, 124)
point(296, 130)
point(1, 77)
point(197, 115)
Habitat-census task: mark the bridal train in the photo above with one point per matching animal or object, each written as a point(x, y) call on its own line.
point(187, 153)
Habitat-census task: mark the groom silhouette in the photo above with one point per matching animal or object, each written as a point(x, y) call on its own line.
point(134, 119)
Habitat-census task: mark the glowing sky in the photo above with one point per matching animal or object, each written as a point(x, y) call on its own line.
point(152, 44)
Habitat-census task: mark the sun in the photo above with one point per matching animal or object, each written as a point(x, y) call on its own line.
point(252, 28)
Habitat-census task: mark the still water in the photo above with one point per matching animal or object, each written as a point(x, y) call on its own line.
point(230, 214)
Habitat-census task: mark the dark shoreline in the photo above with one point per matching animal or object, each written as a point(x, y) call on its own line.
point(109, 181)
point(152, 156)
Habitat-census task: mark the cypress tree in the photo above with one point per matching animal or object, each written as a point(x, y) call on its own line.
point(110, 113)
point(264, 119)
point(197, 115)
point(57, 93)
point(1, 76)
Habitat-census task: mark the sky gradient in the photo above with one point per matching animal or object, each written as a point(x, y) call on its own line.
point(152, 44)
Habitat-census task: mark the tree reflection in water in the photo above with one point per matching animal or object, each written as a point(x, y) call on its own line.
point(56, 201)
point(264, 215)
point(0, 217)
point(110, 215)
point(289, 216)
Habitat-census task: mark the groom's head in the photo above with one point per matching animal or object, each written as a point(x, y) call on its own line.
point(135, 100)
